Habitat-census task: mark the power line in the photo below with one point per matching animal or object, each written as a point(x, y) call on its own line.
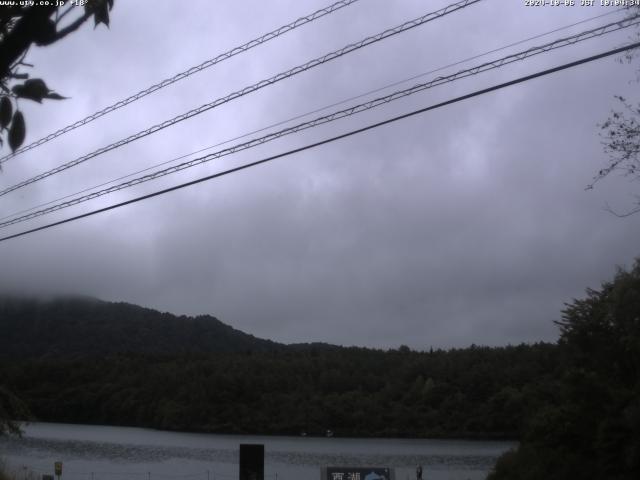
point(468, 59)
point(582, 36)
point(187, 73)
point(306, 114)
point(250, 89)
point(333, 139)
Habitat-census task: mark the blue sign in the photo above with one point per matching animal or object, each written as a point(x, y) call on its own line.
point(357, 473)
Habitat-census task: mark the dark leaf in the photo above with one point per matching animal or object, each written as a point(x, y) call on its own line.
point(17, 131)
point(91, 6)
point(6, 111)
point(34, 89)
point(101, 17)
point(46, 32)
point(101, 13)
point(55, 96)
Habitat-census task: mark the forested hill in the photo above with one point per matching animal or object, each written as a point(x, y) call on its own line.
point(80, 326)
point(88, 361)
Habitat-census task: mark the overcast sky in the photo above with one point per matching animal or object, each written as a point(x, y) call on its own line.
point(467, 224)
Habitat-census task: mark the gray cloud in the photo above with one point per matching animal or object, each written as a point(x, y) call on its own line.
point(469, 224)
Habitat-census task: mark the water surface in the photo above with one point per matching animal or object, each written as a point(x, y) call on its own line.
point(115, 453)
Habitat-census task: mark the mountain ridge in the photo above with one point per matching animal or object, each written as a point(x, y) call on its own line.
point(74, 326)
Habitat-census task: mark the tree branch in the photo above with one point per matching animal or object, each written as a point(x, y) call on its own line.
point(22, 36)
point(72, 27)
point(63, 14)
point(622, 215)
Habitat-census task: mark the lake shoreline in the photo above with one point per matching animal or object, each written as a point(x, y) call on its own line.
point(469, 437)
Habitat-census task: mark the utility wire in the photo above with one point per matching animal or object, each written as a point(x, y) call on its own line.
point(182, 75)
point(252, 88)
point(306, 114)
point(589, 34)
point(333, 139)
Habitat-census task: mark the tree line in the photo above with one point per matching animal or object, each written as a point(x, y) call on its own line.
point(589, 425)
point(473, 392)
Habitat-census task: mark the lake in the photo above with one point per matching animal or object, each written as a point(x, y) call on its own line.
point(115, 453)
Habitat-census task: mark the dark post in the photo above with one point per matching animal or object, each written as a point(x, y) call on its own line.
point(251, 462)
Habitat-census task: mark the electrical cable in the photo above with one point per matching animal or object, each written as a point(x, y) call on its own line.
point(250, 89)
point(306, 114)
point(182, 75)
point(582, 36)
point(332, 139)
